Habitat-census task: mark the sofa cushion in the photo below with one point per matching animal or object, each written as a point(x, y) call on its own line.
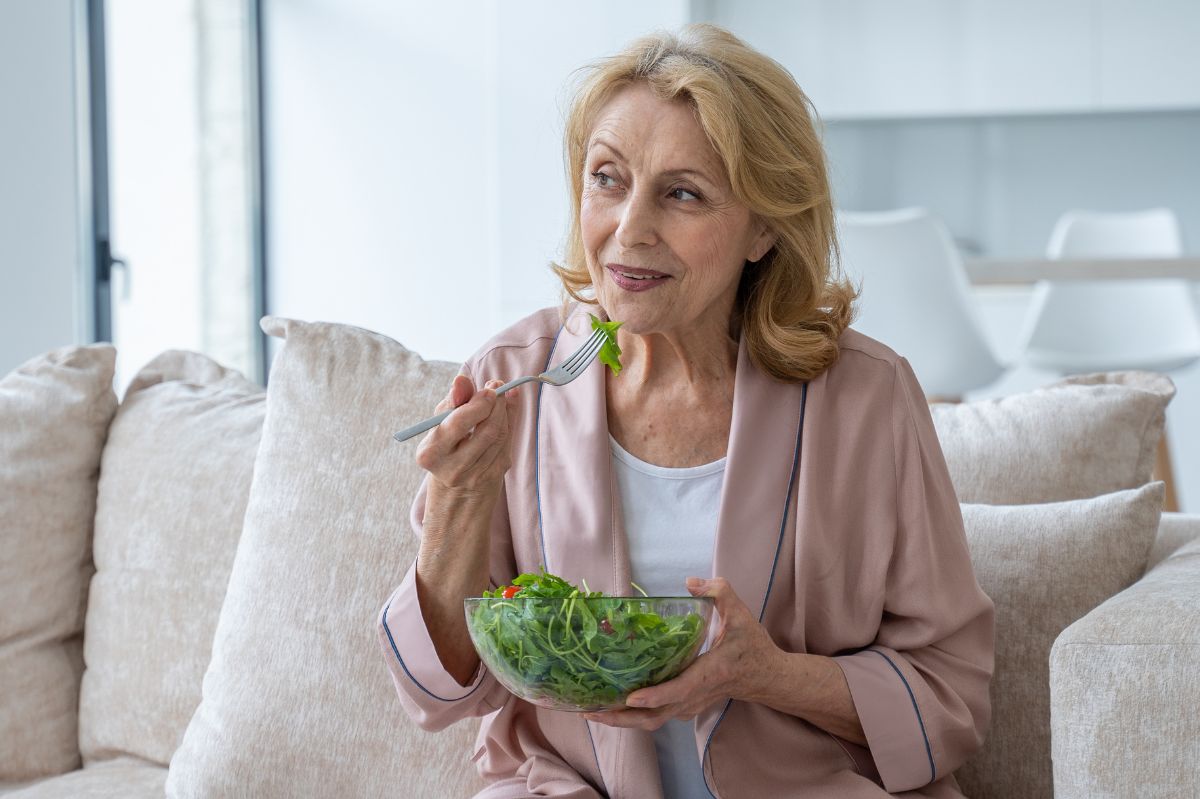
point(296, 700)
point(1080, 437)
point(54, 415)
point(1175, 530)
point(122, 778)
point(1045, 566)
point(1125, 689)
point(174, 481)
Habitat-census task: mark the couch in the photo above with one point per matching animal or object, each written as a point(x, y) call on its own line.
point(192, 580)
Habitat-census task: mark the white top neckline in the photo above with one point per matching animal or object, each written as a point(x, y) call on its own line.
point(664, 472)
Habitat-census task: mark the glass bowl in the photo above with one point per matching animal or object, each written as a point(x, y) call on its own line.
point(586, 653)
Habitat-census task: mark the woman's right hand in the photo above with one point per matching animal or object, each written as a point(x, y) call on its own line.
point(469, 453)
point(466, 457)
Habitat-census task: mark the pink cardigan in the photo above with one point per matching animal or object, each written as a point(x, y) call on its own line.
point(838, 525)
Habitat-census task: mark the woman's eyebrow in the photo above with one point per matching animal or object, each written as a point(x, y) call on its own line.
point(606, 145)
point(696, 173)
point(669, 173)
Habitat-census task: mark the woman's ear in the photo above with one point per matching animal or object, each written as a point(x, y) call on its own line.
point(762, 245)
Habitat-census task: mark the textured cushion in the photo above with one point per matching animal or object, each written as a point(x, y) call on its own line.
point(114, 779)
point(1045, 566)
point(1125, 687)
point(1174, 531)
point(1081, 437)
point(174, 481)
point(54, 415)
point(297, 702)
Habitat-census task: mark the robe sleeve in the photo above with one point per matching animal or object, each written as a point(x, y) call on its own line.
point(428, 692)
point(921, 688)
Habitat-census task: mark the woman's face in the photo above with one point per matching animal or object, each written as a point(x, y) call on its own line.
point(664, 237)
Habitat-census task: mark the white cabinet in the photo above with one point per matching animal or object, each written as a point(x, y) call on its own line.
point(1149, 54)
point(1024, 56)
point(863, 59)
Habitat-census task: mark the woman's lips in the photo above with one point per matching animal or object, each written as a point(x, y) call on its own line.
point(646, 279)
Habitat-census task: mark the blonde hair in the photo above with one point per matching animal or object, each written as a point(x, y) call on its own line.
point(794, 303)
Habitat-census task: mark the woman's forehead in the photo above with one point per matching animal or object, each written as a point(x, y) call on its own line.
point(635, 120)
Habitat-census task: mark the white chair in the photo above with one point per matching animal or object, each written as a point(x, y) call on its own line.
point(1102, 326)
point(1077, 327)
point(916, 298)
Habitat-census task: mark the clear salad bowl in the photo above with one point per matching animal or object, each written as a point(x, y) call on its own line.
point(586, 653)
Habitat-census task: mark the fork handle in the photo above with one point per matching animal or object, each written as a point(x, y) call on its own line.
point(421, 427)
point(434, 421)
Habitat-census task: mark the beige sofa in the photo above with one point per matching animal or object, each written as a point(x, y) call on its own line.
point(191, 581)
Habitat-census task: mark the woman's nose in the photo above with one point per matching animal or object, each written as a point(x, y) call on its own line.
point(639, 221)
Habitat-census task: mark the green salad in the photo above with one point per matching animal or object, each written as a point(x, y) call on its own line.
point(551, 643)
point(610, 353)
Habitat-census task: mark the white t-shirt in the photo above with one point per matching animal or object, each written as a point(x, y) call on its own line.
point(670, 520)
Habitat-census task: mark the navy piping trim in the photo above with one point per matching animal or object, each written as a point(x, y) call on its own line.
point(917, 710)
point(787, 504)
point(416, 682)
point(708, 740)
point(537, 463)
point(587, 726)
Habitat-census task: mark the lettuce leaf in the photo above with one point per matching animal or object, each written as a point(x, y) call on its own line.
point(610, 353)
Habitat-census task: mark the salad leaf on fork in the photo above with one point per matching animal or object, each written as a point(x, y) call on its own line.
point(610, 353)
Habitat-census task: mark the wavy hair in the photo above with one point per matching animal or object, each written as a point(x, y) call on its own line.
point(794, 303)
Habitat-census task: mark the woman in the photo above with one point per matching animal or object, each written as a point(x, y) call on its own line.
point(751, 436)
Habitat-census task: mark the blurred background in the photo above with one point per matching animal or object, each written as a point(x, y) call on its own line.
point(171, 170)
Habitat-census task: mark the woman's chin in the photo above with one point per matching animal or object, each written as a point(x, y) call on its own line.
point(633, 320)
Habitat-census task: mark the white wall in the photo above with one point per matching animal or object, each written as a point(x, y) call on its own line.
point(415, 180)
point(42, 297)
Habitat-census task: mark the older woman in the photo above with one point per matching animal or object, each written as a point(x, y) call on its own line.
point(755, 449)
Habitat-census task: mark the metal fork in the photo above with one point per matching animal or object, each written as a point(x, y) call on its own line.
point(560, 375)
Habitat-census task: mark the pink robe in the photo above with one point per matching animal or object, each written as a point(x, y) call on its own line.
point(838, 526)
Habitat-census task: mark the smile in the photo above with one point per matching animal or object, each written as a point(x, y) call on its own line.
point(635, 279)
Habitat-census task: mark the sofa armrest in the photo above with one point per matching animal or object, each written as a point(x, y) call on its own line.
point(1125, 690)
point(1174, 531)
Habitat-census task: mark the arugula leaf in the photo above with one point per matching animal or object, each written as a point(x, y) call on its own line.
point(578, 649)
point(610, 353)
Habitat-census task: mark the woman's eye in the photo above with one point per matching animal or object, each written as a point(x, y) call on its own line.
point(683, 194)
point(602, 180)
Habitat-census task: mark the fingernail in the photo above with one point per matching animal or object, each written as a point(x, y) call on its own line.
point(639, 702)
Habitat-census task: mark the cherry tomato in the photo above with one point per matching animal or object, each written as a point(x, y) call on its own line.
point(512, 591)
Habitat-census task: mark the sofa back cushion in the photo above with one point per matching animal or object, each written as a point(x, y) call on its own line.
point(54, 415)
point(174, 480)
point(297, 701)
point(1045, 566)
point(1080, 437)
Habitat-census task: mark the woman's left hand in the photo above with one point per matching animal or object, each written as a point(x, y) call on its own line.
point(741, 665)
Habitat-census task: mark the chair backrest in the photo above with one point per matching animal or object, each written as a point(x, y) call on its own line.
point(1094, 326)
point(1139, 234)
point(916, 298)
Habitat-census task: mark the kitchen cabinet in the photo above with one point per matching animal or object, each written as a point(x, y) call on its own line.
point(886, 59)
point(1148, 54)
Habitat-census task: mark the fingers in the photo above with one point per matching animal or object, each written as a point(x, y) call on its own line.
point(473, 441)
point(726, 600)
point(467, 415)
point(461, 390)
